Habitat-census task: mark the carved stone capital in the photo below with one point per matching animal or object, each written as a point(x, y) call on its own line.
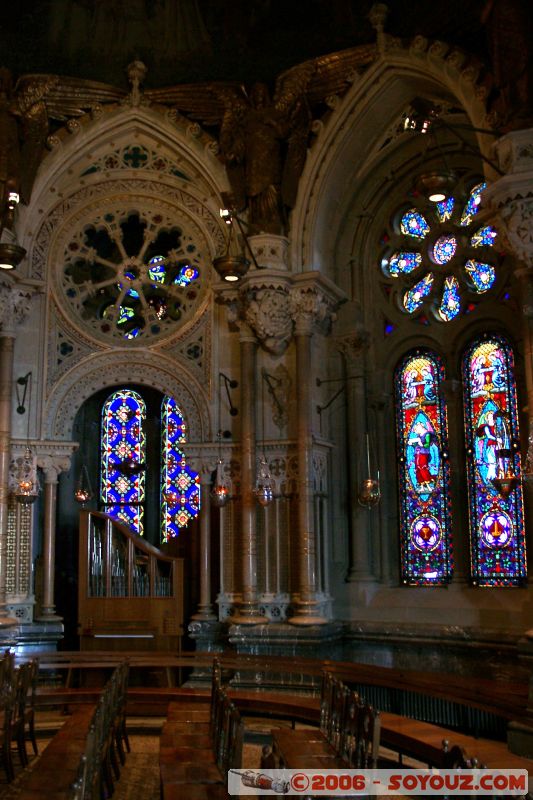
point(314, 300)
point(15, 304)
point(52, 457)
point(511, 196)
point(268, 313)
point(352, 346)
point(52, 466)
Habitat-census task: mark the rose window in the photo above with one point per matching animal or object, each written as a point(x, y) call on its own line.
point(133, 275)
point(440, 257)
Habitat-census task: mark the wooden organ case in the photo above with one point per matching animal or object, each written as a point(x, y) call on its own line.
point(130, 595)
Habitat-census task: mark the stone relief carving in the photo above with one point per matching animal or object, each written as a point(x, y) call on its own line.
point(66, 348)
point(268, 313)
point(124, 187)
point(110, 368)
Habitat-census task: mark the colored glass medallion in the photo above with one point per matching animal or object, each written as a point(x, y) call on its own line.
point(415, 296)
point(451, 300)
point(186, 275)
point(444, 249)
point(472, 205)
point(157, 269)
point(122, 486)
point(484, 237)
point(445, 209)
point(421, 431)
point(481, 275)
point(497, 532)
point(180, 485)
point(413, 224)
point(403, 263)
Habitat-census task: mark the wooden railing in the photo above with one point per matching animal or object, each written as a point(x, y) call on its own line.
point(130, 594)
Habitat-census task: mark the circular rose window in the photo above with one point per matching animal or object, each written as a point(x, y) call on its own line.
point(133, 274)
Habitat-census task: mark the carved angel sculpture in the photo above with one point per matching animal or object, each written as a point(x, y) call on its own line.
point(263, 143)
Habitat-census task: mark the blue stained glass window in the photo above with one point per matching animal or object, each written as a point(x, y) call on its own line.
point(180, 485)
point(413, 224)
point(421, 431)
point(481, 275)
point(122, 487)
point(484, 237)
point(444, 248)
point(402, 263)
point(445, 209)
point(157, 270)
point(186, 275)
point(472, 205)
point(415, 296)
point(451, 300)
point(497, 533)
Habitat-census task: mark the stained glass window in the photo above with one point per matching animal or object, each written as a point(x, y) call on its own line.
point(497, 535)
point(472, 204)
point(413, 224)
point(484, 237)
point(421, 429)
point(444, 249)
point(402, 263)
point(451, 299)
point(180, 485)
point(122, 488)
point(445, 209)
point(414, 297)
point(481, 275)
point(440, 235)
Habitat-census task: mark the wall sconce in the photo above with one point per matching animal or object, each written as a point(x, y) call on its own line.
point(27, 486)
point(11, 254)
point(232, 267)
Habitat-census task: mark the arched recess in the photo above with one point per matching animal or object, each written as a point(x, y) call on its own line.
point(362, 123)
point(117, 368)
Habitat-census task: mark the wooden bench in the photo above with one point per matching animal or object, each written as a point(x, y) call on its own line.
point(59, 762)
point(199, 743)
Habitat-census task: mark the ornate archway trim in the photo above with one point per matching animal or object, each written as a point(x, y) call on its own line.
point(103, 370)
point(348, 138)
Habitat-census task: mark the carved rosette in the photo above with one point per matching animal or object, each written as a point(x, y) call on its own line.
point(15, 304)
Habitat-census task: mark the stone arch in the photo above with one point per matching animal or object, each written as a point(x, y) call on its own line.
point(117, 367)
point(353, 136)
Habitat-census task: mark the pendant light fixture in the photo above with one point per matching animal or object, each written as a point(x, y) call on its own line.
point(369, 491)
point(83, 491)
point(27, 482)
point(264, 485)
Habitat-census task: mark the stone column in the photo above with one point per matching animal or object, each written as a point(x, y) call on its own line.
point(510, 197)
point(52, 466)
point(205, 611)
point(248, 611)
point(353, 347)
point(14, 306)
point(311, 310)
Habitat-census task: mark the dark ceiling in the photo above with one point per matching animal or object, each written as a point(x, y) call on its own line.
point(198, 40)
